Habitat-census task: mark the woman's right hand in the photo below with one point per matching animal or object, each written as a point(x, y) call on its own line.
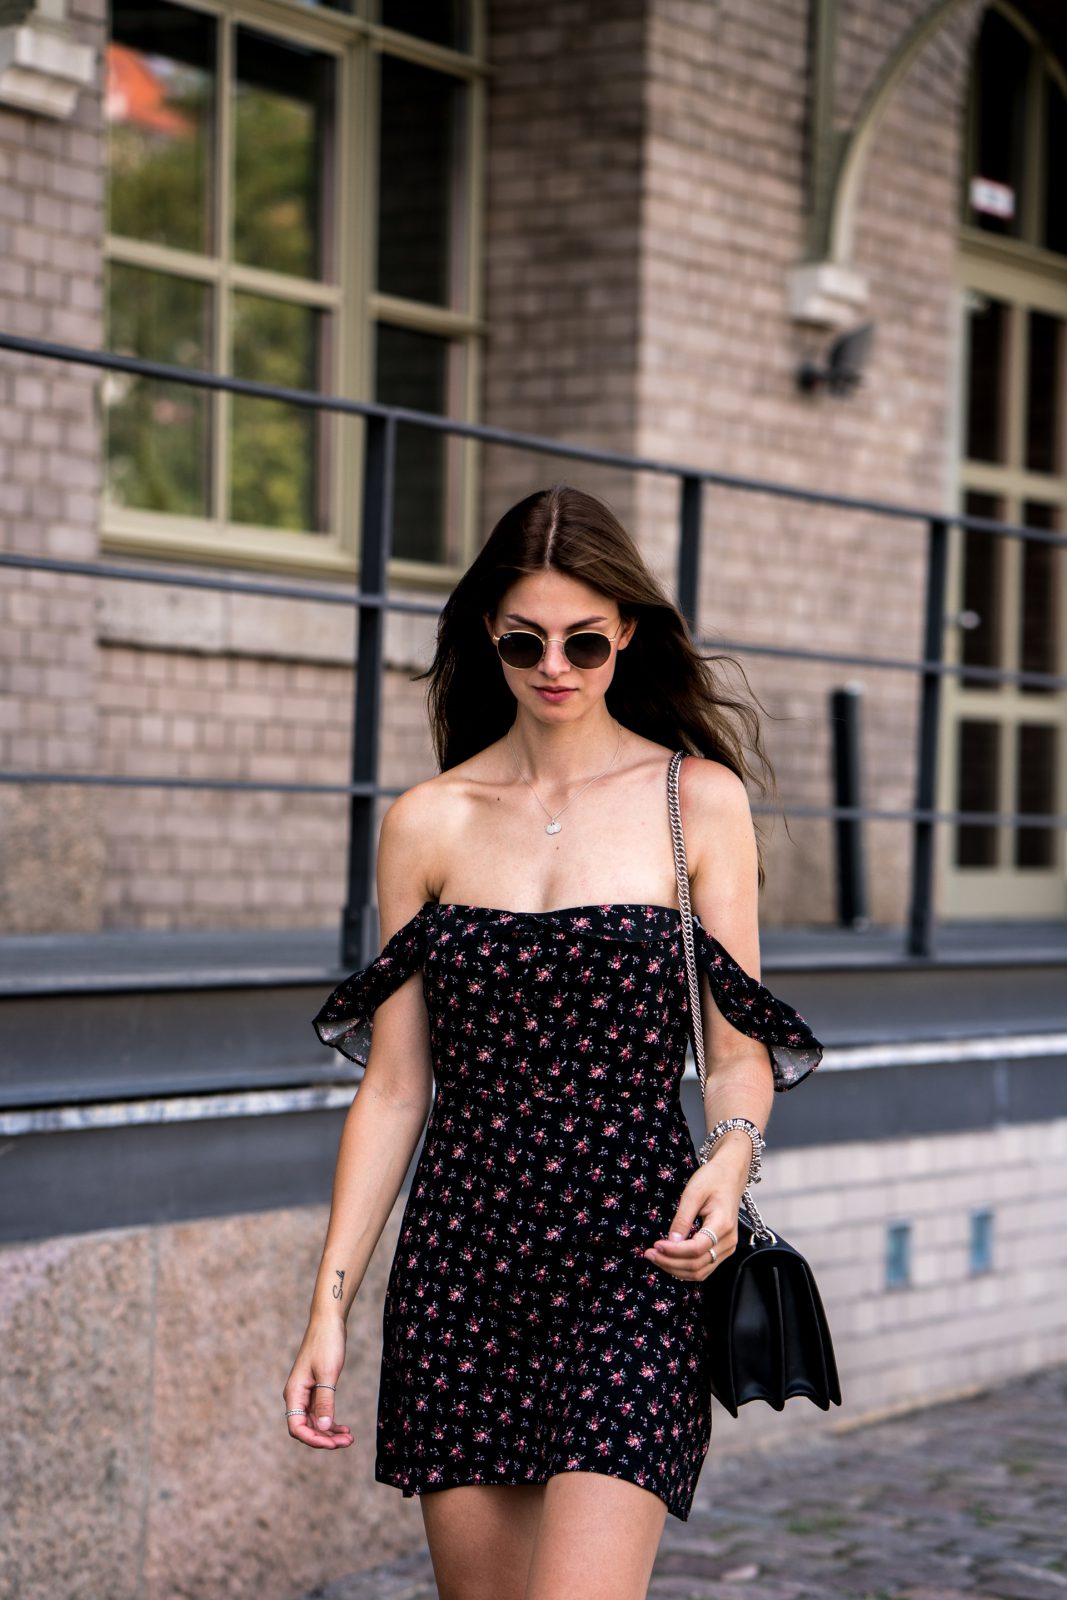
point(319, 1361)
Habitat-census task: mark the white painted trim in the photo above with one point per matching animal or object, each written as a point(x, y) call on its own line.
point(333, 1097)
point(922, 1052)
point(176, 1108)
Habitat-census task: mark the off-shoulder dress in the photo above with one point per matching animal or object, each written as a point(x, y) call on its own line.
point(524, 1332)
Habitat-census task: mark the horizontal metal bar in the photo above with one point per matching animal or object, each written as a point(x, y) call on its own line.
point(361, 598)
point(122, 780)
point(135, 781)
point(846, 658)
point(536, 443)
point(1007, 819)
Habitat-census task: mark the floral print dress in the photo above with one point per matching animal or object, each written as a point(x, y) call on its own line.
point(524, 1332)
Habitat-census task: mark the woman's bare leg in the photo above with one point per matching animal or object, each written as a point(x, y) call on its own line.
point(481, 1537)
point(597, 1539)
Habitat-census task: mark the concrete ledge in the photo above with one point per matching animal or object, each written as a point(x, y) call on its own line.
point(42, 70)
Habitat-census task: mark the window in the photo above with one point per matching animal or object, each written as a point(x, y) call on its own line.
point(1004, 741)
point(981, 1244)
point(1016, 131)
point(898, 1255)
point(290, 202)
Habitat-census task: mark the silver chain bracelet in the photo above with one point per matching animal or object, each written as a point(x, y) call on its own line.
point(746, 1126)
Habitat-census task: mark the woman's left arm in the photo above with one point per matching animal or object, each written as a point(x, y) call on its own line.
point(720, 844)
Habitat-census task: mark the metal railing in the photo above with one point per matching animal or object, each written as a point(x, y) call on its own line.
point(358, 934)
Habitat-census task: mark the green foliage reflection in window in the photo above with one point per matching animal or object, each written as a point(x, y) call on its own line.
point(273, 454)
point(158, 434)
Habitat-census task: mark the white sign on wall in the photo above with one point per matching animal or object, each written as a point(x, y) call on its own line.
point(992, 199)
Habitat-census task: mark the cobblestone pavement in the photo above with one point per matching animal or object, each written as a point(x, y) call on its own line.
point(964, 1498)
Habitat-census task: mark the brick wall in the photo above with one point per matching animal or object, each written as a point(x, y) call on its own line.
point(949, 1330)
point(212, 858)
point(562, 240)
point(723, 222)
point(645, 204)
point(51, 226)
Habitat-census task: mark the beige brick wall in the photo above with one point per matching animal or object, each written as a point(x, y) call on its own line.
point(51, 226)
point(562, 240)
point(949, 1331)
point(215, 858)
point(645, 204)
point(724, 221)
point(166, 1367)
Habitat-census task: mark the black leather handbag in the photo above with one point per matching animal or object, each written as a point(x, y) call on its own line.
point(771, 1340)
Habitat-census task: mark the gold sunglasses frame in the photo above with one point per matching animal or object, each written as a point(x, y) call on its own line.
point(529, 632)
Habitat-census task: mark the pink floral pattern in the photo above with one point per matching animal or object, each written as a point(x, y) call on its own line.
point(524, 1333)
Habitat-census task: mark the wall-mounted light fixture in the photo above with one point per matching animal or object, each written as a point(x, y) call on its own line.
point(845, 361)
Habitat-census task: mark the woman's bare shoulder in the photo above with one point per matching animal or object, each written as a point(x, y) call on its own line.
point(427, 804)
point(716, 813)
point(420, 823)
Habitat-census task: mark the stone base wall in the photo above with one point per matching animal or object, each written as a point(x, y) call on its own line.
point(146, 1365)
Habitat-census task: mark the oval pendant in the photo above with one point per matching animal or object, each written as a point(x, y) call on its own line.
point(553, 827)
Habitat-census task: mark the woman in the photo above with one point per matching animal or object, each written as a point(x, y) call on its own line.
point(543, 1382)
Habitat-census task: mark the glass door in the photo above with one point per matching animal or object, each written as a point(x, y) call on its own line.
point(1004, 745)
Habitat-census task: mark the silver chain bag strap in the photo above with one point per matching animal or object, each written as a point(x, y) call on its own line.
point(768, 1334)
point(681, 868)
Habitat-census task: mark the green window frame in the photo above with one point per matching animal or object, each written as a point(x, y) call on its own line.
point(295, 197)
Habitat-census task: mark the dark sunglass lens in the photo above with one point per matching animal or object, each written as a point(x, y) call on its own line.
point(588, 649)
point(520, 649)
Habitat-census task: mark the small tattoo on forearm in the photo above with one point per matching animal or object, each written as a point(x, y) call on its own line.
point(339, 1288)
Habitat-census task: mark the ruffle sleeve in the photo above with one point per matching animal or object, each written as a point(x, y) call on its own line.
point(751, 1008)
point(345, 1021)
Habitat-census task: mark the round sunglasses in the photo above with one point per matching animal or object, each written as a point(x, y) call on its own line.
point(522, 649)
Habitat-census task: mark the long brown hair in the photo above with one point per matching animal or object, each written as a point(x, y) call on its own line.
point(662, 688)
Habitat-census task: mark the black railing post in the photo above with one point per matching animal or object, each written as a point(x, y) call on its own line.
point(847, 757)
point(689, 550)
point(921, 911)
point(359, 936)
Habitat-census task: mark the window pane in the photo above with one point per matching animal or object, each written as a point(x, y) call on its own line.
point(1040, 627)
point(160, 108)
point(158, 434)
point(981, 1251)
point(983, 554)
point(1002, 67)
point(987, 324)
point(283, 125)
point(423, 372)
point(421, 191)
point(1055, 232)
point(1035, 793)
point(1043, 390)
point(898, 1255)
point(976, 790)
point(444, 21)
point(277, 474)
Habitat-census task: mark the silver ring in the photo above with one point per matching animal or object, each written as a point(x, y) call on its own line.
point(712, 1235)
point(324, 1386)
point(296, 1412)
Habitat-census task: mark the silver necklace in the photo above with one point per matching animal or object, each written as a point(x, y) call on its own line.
point(553, 825)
